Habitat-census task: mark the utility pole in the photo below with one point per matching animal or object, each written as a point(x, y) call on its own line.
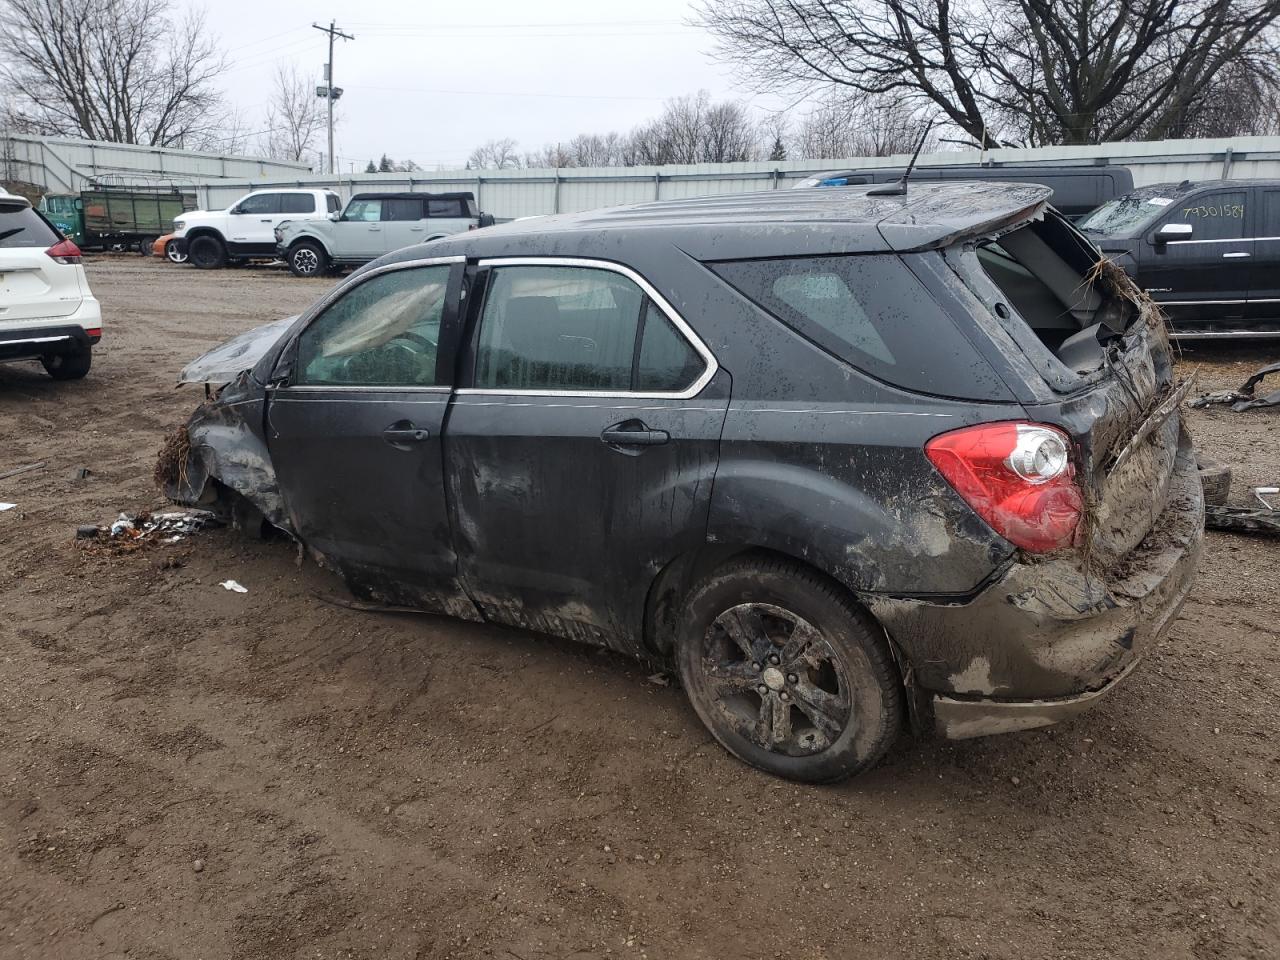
point(329, 91)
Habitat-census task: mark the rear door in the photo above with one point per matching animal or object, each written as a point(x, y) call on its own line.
point(1204, 278)
point(355, 434)
point(581, 457)
point(448, 215)
point(1263, 310)
point(33, 286)
point(402, 222)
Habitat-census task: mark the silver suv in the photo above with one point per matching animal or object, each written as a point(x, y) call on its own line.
point(374, 224)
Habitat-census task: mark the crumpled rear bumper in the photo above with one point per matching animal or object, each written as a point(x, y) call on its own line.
point(1048, 639)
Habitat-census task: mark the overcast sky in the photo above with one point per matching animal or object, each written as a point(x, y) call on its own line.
point(431, 80)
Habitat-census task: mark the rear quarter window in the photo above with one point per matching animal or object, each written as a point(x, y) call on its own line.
point(20, 226)
point(871, 312)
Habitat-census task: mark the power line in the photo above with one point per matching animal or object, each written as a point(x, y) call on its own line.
point(511, 93)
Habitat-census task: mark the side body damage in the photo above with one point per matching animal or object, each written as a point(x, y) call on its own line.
point(534, 511)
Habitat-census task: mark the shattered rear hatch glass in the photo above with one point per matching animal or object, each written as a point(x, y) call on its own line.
point(1092, 356)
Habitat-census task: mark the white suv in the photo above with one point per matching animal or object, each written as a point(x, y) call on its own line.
point(248, 227)
point(46, 310)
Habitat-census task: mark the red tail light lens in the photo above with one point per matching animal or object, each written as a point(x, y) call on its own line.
point(1018, 477)
point(64, 251)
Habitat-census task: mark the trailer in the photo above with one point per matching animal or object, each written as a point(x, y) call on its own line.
point(118, 217)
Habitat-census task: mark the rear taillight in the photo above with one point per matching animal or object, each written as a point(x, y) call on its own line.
point(64, 251)
point(1018, 477)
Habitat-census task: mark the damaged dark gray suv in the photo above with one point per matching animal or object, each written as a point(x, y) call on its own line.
point(848, 461)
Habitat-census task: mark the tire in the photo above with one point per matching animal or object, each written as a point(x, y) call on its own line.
point(808, 690)
point(69, 366)
point(1215, 476)
point(307, 258)
point(144, 246)
point(174, 252)
point(207, 253)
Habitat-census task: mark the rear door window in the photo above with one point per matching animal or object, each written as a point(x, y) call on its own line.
point(297, 203)
point(402, 209)
point(1213, 216)
point(20, 226)
point(869, 311)
point(562, 328)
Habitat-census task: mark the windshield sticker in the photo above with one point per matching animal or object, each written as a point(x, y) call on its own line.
point(1159, 201)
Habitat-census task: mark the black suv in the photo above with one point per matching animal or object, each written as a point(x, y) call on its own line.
point(846, 460)
point(1207, 252)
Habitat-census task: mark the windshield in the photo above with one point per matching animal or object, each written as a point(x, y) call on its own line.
point(1123, 215)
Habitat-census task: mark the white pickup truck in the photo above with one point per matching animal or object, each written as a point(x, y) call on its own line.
point(374, 224)
point(247, 228)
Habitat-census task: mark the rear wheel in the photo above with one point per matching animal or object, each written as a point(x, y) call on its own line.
point(173, 250)
point(787, 672)
point(69, 366)
point(207, 253)
point(308, 259)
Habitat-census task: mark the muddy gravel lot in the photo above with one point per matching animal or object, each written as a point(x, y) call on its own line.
point(187, 772)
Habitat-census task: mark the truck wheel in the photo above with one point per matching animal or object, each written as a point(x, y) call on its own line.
point(308, 259)
point(174, 252)
point(69, 366)
point(787, 672)
point(207, 253)
point(144, 246)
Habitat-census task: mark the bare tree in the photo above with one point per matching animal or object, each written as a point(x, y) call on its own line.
point(1031, 71)
point(552, 155)
point(692, 129)
point(295, 114)
point(597, 149)
point(494, 155)
point(117, 70)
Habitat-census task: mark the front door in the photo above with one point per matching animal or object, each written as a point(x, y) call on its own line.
point(355, 434)
point(581, 458)
point(253, 223)
point(1206, 277)
point(361, 231)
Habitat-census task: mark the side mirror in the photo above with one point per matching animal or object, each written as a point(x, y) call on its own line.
point(1174, 231)
point(335, 216)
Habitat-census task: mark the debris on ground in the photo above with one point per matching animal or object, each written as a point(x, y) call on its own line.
point(1263, 519)
point(80, 473)
point(7, 506)
point(128, 533)
point(1244, 398)
point(233, 586)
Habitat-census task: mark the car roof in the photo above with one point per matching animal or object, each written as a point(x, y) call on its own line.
point(983, 169)
point(288, 190)
point(1189, 186)
point(413, 195)
point(769, 223)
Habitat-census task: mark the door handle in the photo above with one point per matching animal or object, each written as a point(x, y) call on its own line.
point(404, 432)
point(633, 434)
point(265, 220)
point(1235, 256)
point(375, 229)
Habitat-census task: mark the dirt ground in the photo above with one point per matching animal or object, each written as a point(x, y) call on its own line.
point(187, 772)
